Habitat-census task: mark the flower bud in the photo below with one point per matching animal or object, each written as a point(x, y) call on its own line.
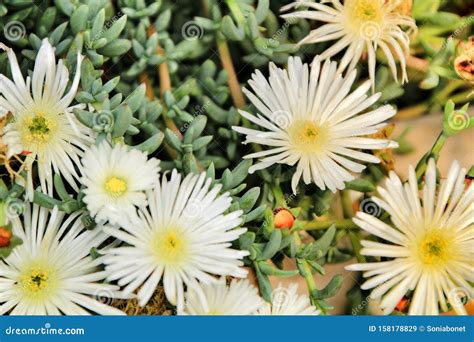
point(464, 61)
point(5, 237)
point(402, 304)
point(283, 218)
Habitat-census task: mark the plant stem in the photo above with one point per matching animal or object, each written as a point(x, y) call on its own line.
point(234, 85)
point(356, 246)
point(307, 273)
point(143, 78)
point(165, 84)
point(445, 93)
point(438, 145)
point(279, 197)
point(433, 152)
point(163, 73)
point(205, 7)
point(238, 98)
point(321, 225)
point(354, 235)
point(463, 96)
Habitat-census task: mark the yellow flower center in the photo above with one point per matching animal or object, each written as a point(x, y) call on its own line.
point(307, 136)
point(170, 247)
point(366, 10)
point(37, 130)
point(435, 248)
point(37, 282)
point(365, 18)
point(116, 186)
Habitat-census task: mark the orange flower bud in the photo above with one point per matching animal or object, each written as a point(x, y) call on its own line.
point(283, 218)
point(464, 62)
point(402, 304)
point(5, 237)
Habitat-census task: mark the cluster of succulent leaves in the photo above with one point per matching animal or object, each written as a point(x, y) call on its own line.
point(126, 44)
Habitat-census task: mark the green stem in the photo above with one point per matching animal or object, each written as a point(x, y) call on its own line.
point(278, 193)
point(356, 246)
point(438, 145)
point(432, 153)
point(444, 94)
point(463, 96)
point(322, 225)
point(3, 214)
point(354, 236)
point(307, 273)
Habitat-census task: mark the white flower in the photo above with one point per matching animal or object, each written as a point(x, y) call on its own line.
point(115, 180)
point(239, 298)
point(183, 237)
point(3, 111)
point(52, 273)
point(429, 250)
point(359, 25)
point(311, 120)
point(42, 122)
point(287, 302)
